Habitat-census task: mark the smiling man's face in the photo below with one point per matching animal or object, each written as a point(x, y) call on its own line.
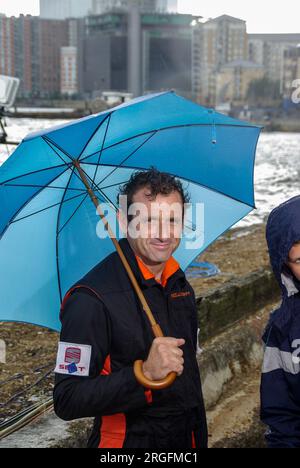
point(159, 226)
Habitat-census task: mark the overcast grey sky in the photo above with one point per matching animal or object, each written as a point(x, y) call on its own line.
point(261, 15)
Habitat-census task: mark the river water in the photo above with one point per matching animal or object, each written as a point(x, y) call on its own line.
point(277, 169)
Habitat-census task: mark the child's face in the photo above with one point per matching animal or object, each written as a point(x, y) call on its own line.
point(294, 260)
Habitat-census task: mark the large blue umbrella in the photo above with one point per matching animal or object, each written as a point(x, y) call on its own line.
point(48, 224)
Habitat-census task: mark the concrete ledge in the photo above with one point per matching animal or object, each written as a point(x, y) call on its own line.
point(237, 299)
point(231, 355)
point(50, 432)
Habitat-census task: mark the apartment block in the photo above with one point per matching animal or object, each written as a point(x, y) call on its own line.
point(215, 42)
point(269, 50)
point(233, 80)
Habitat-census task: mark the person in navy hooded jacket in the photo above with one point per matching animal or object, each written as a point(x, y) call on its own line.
point(280, 385)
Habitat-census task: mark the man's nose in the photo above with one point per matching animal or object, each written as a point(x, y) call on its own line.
point(164, 230)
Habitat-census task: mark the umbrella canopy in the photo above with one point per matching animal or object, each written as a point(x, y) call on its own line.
point(48, 225)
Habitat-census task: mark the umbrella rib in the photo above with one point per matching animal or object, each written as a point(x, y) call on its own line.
point(80, 204)
point(98, 190)
point(73, 214)
point(100, 154)
point(106, 197)
point(31, 173)
point(151, 133)
point(27, 202)
point(94, 133)
point(46, 208)
point(51, 144)
point(114, 185)
point(186, 179)
point(124, 160)
point(37, 186)
point(57, 226)
point(94, 184)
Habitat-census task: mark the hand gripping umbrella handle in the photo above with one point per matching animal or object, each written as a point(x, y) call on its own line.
point(152, 384)
point(138, 365)
point(143, 380)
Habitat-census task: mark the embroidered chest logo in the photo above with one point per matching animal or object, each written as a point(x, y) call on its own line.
point(175, 295)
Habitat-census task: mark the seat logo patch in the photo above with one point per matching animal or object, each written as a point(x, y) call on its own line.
point(74, 359)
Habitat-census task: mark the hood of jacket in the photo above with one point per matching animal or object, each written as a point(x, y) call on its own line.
point(282, 232)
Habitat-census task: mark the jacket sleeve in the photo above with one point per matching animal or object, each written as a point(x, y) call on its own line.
point(279, 408)
point(85, 322)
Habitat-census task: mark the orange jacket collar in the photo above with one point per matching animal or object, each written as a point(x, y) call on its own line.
point(171, 267)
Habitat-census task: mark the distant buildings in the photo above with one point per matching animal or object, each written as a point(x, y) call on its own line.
point(145, 6)
point(53, 35)
point(7, 49)
point(69, 67)
point(137, 46)
point(62, 9)
point(291, 70)
point(215, 43)
point(226, 59)
point(269, 50)
point(233, 80)
point(139, 53)
point(172, 6)
point(20, 51)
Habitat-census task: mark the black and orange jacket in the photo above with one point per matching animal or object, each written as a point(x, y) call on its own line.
point(103, 311)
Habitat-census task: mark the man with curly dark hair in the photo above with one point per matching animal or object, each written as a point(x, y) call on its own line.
point(104, 322)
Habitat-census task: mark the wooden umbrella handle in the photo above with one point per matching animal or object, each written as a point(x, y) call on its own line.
point(152, 384)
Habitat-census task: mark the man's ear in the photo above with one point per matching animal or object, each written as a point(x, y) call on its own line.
point(122, 220)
